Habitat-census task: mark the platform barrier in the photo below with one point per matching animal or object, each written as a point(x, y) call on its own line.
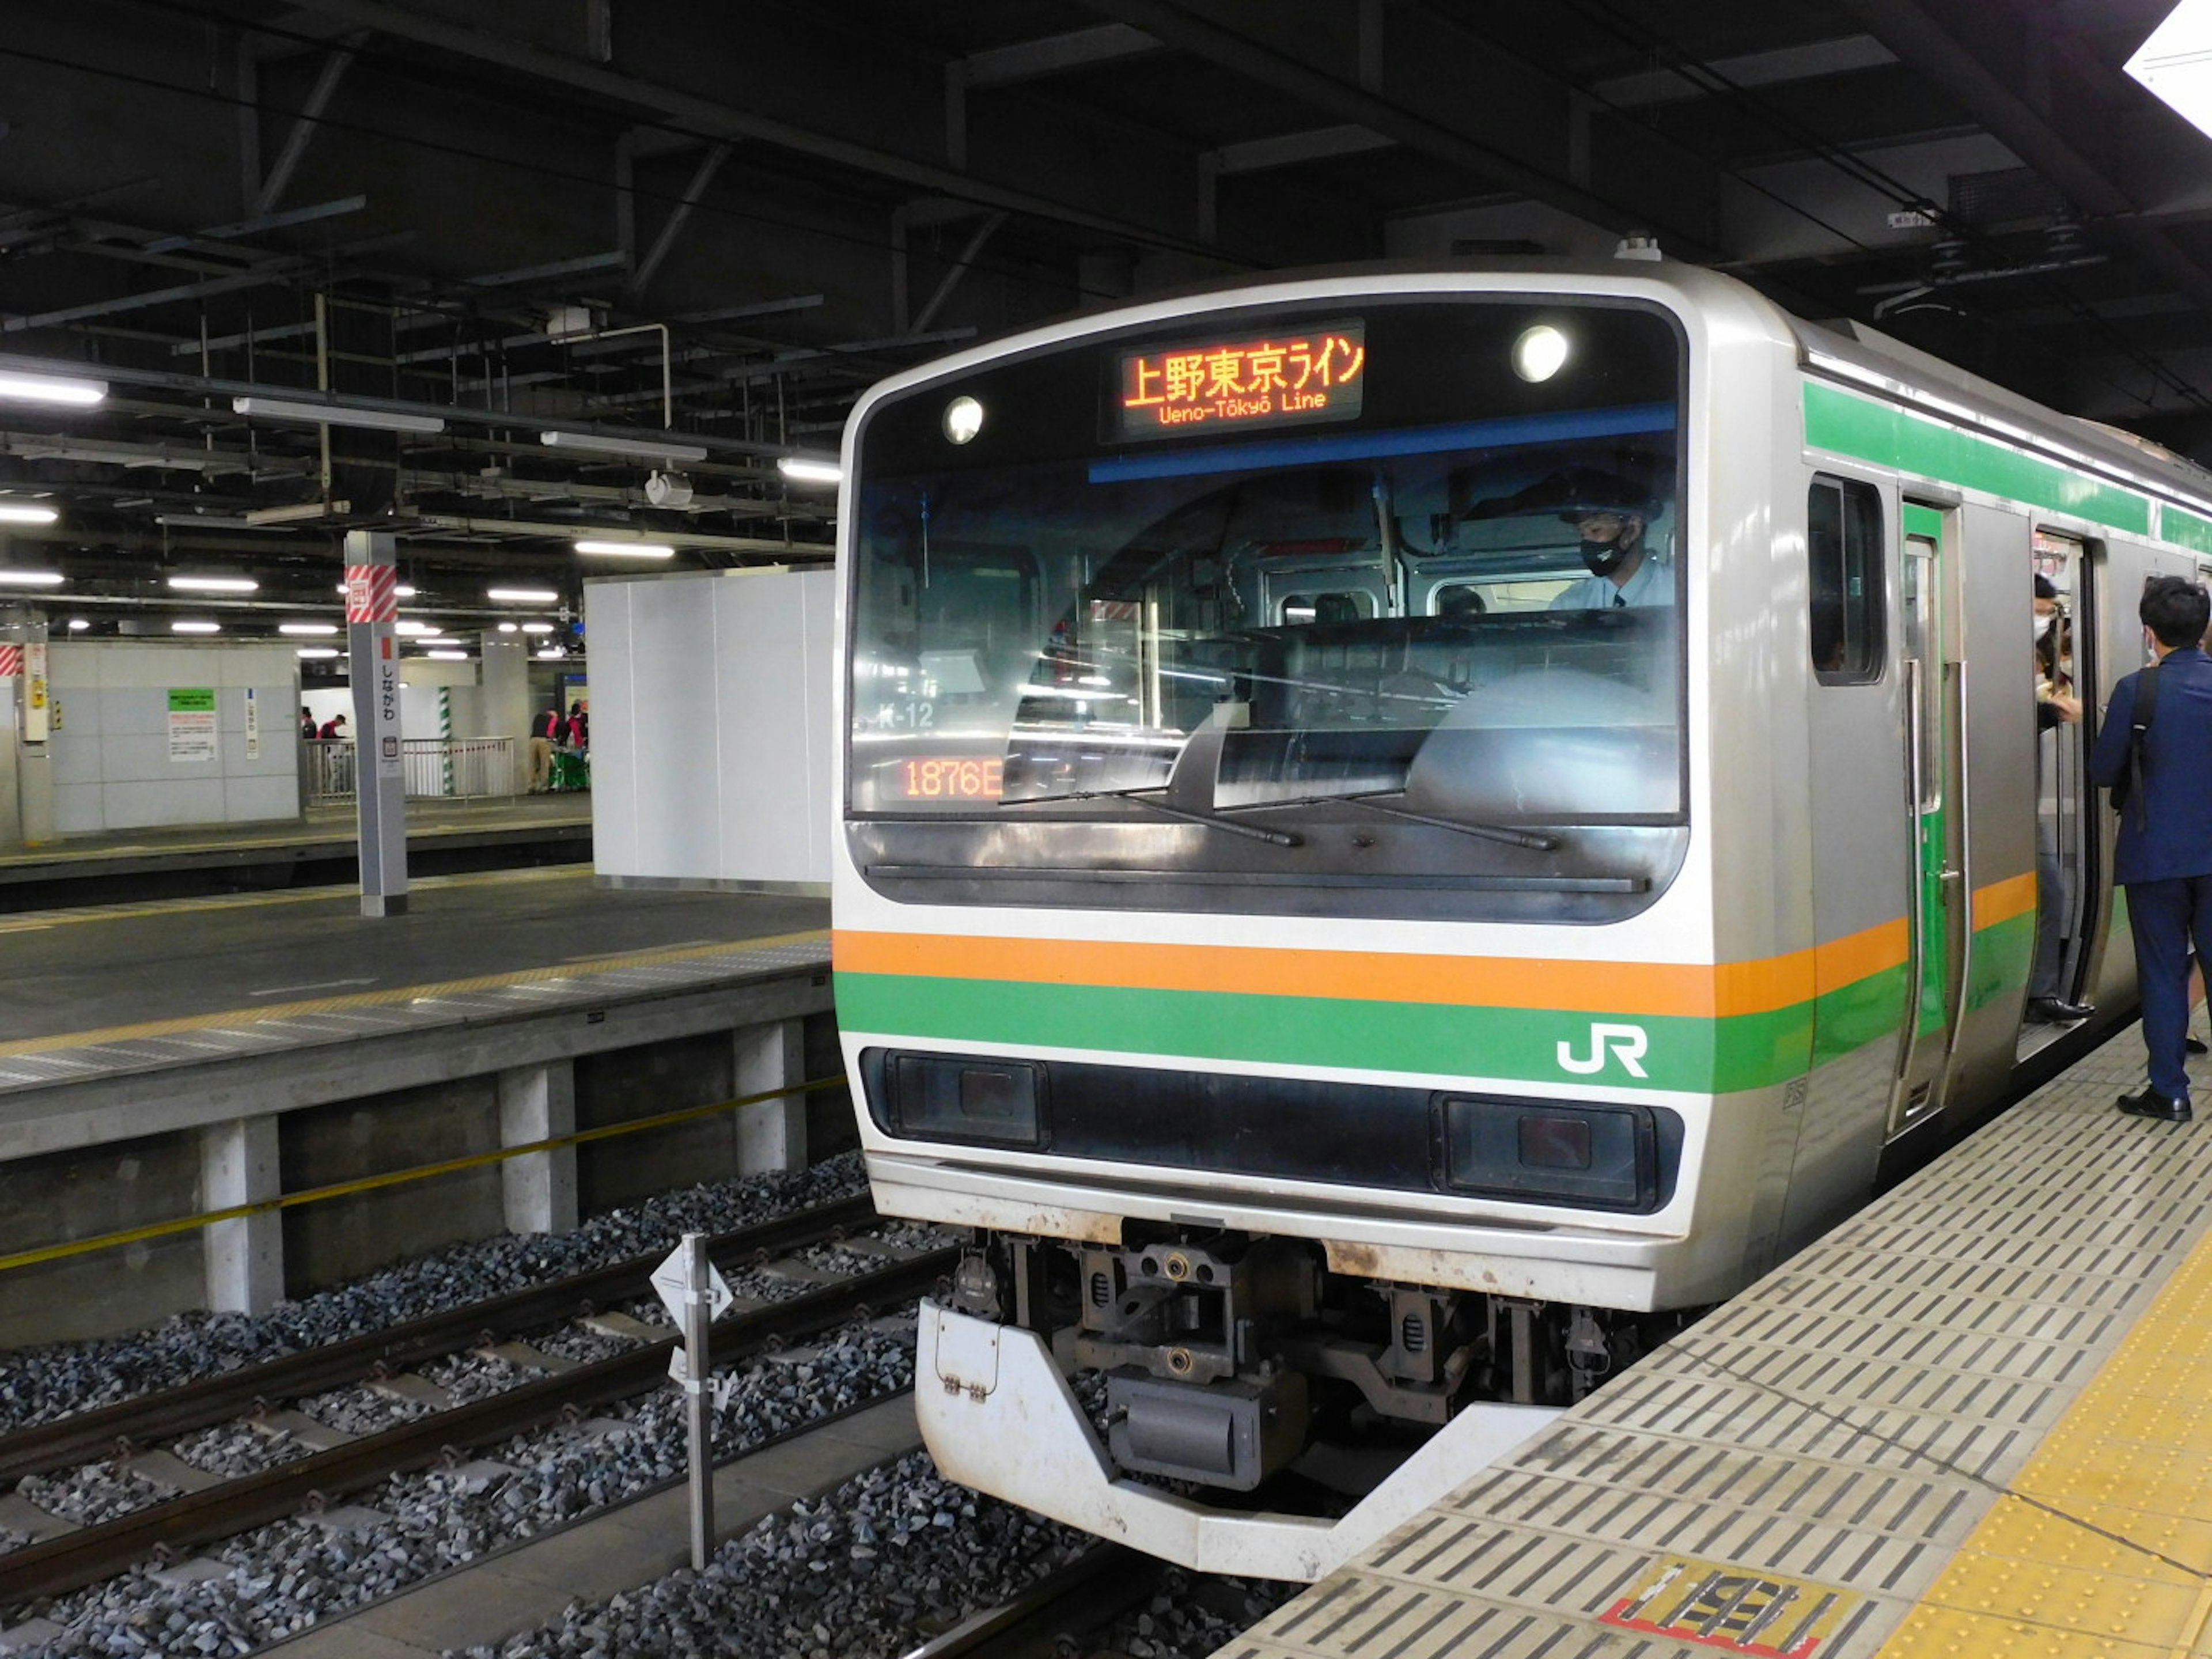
point(455, 769)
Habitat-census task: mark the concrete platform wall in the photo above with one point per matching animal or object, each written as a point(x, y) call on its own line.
point(291, 1145)
point(64, 1196)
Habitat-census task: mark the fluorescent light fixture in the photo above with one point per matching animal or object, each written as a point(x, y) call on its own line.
point(30, 577)
point(376, 420)
point(436, 639)
point(196, 627)
point(2175, 63)
point(808, 469)
point(312, 630)
point(318, 653)
point(628, 549)
point(537, 628)
point(522, 595)
point(78, 624)
point(298, 512)
point(49, 389)
point(651, 449)
point(410, 626)
point(26, 512)
point(216, 584)
point(448, 656)
point(552, 651)
point(402, 591)
point(506, 628)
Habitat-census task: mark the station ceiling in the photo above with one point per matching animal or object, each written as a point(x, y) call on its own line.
point(707, 226)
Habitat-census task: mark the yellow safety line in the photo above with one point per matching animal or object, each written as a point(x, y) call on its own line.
point(32, 921)
point(2103, 1543)
point(397, 1177)
point(399, 994)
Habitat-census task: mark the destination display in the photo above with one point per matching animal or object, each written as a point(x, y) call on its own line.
point(947, 777)
point(1289, 378)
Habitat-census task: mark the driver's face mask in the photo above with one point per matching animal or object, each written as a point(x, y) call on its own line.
point(1605, 542)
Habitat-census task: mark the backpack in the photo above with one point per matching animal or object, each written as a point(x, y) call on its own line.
point(2129, 787)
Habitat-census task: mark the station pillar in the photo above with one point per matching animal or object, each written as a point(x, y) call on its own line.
point(538, 1102)
point(27, 783)
point(244, 1256)
point(771, 1134)
point(380, 768)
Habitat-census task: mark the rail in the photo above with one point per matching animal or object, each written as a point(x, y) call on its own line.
point(453, 769)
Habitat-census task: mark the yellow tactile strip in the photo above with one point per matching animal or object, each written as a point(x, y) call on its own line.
point(406, 993)
point(2103, 1543)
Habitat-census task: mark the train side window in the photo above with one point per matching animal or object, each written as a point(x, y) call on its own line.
point(1842, 546)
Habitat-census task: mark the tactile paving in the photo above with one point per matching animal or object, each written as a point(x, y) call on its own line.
point(1974, 1422)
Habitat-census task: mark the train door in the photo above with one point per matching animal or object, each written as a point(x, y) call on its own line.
point(1937, 916)
point(2065, 827)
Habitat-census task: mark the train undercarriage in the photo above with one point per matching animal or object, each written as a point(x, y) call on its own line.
point(1238, 1363)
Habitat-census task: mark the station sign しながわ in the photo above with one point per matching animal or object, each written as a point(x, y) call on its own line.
point(1290, 377)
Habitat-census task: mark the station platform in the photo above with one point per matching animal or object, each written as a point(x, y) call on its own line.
point(196, 1055)
point(1974, 1422)
point(443, 837)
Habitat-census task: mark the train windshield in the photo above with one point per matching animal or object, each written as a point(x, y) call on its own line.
point(1421, 555)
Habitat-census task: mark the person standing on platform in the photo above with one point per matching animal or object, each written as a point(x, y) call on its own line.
point(544, 731)
point(2165, 854)
point(331, 731)
point(309, 729)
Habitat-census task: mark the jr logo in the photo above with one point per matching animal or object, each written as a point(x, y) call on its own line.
point(1625, 1043)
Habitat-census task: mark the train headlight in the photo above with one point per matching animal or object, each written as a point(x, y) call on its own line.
point(1595, 1157)
point(964, 419)
point(993, 1102)
point(1539, 353)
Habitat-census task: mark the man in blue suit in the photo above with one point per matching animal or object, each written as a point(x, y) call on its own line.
point(2165, 855)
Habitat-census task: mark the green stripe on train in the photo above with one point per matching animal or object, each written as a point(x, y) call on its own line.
point(1705, 1055)
point(2179, 525)
point(1701, 1056)
point(1889, 436)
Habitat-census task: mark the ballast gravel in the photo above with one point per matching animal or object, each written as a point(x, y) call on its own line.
point(38, 1385)
point(862, 1573)
point(281, 1579)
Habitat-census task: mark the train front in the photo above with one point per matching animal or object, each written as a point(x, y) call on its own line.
point(1264, 911)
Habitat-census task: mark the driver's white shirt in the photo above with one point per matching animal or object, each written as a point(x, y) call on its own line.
point(1652, 584)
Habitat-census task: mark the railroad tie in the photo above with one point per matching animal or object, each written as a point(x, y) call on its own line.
point(298, 1426)
point(166, 1468)
point(524, 1357)
point(412, 1388)
point(18, 1514)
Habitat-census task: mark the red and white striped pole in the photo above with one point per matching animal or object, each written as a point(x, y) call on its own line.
point(372, 588)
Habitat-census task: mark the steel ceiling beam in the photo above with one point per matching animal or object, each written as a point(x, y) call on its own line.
point(1779, 67)
point(1931, 50)
point(303, 130)
point(713, 118)
point(1263, 65)
point(1054, 54)
point(201, 386)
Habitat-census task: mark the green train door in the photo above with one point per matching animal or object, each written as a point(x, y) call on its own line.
point(1937, 913)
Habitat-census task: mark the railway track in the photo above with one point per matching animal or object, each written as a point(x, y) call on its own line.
point(217, 1507)
point(1059, 1616)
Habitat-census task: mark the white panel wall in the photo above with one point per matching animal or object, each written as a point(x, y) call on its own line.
point(110, 757)
point(711, 751)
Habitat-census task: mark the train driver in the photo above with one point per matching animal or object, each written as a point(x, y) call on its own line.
point(1622, 573)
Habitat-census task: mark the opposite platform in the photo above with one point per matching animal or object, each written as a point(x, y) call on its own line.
point(1975, 1421)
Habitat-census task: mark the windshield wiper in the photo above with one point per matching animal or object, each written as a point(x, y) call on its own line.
point(1141, 795)
point(1536, 840)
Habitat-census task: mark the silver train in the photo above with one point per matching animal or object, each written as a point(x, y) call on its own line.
point(1404, 832)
